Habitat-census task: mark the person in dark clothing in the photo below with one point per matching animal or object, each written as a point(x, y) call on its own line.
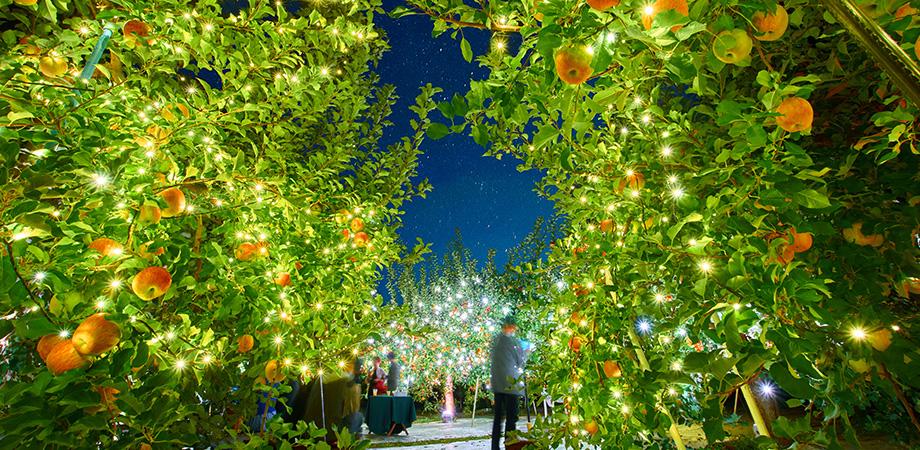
point(393, 374)
point(507, 371)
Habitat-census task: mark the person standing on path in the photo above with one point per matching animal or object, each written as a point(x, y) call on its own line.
point(507, 371)
point(393, 374)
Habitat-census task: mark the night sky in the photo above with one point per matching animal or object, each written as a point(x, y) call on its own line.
point(488, 200)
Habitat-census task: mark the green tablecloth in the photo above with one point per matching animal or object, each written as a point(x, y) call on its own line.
point(383, 411)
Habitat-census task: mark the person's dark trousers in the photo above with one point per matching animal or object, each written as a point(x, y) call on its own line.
point(505, 410)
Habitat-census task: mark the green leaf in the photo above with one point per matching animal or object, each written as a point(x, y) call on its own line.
point(437, 130)
point(565, 159)
point(811, 198)
point(466, 49)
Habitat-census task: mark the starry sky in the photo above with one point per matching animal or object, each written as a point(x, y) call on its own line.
point(488, 200)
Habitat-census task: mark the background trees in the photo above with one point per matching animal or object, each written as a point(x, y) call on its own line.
point(746, 186)
point(454, 308)
point(229, 156)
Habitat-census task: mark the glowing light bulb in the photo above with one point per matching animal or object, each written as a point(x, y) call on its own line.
point(666, 151)
point(39, 276)
point(677, 192)
point(766, 389)
point(676, 366)
point(648, 10)
point(100, 180)
point(705, 266)
point(64, 334)
point(181, 364)
point(644, 326)
point(278, 340)
point(858, 333)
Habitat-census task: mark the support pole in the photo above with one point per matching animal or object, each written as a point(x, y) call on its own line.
point(901, 67)
point(322, 400)
point(755, 410)
point(475, 397)
point(94, 58)
point(643, 363)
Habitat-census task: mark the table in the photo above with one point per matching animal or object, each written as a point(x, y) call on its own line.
point(386, 414)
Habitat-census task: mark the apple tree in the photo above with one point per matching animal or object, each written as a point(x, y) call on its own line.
point(195, 219)
point(741, 186)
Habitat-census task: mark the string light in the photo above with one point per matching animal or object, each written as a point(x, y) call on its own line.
point(100, 180)
point(705, 266)
point(38, 277)
point(858, 333)
point(644, 326)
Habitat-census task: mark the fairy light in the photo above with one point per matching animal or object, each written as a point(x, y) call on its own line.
point(170, 335)
point(666, 151)
point(181, 364)
point(644, 326)
point(648, 10)
point(100, 304)
point(499, 45)
point(589, 50)
point(206, 359)
point(64, 334)
point(115, 284)
point(858, 333)
point(100, 180)
point(677, 366)
point(659, 297)
point(672, 392)
point(895, 328)
point(705, 266)
point(39, 277)
point(278, 340)
point(677, 192)
point(766, 389)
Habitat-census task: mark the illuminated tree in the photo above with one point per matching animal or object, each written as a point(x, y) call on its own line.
point(214, 187)
point(455, 308)
point(726, 179)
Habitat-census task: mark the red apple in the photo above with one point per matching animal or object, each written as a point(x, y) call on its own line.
point(96, 335)
point(151, 283)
